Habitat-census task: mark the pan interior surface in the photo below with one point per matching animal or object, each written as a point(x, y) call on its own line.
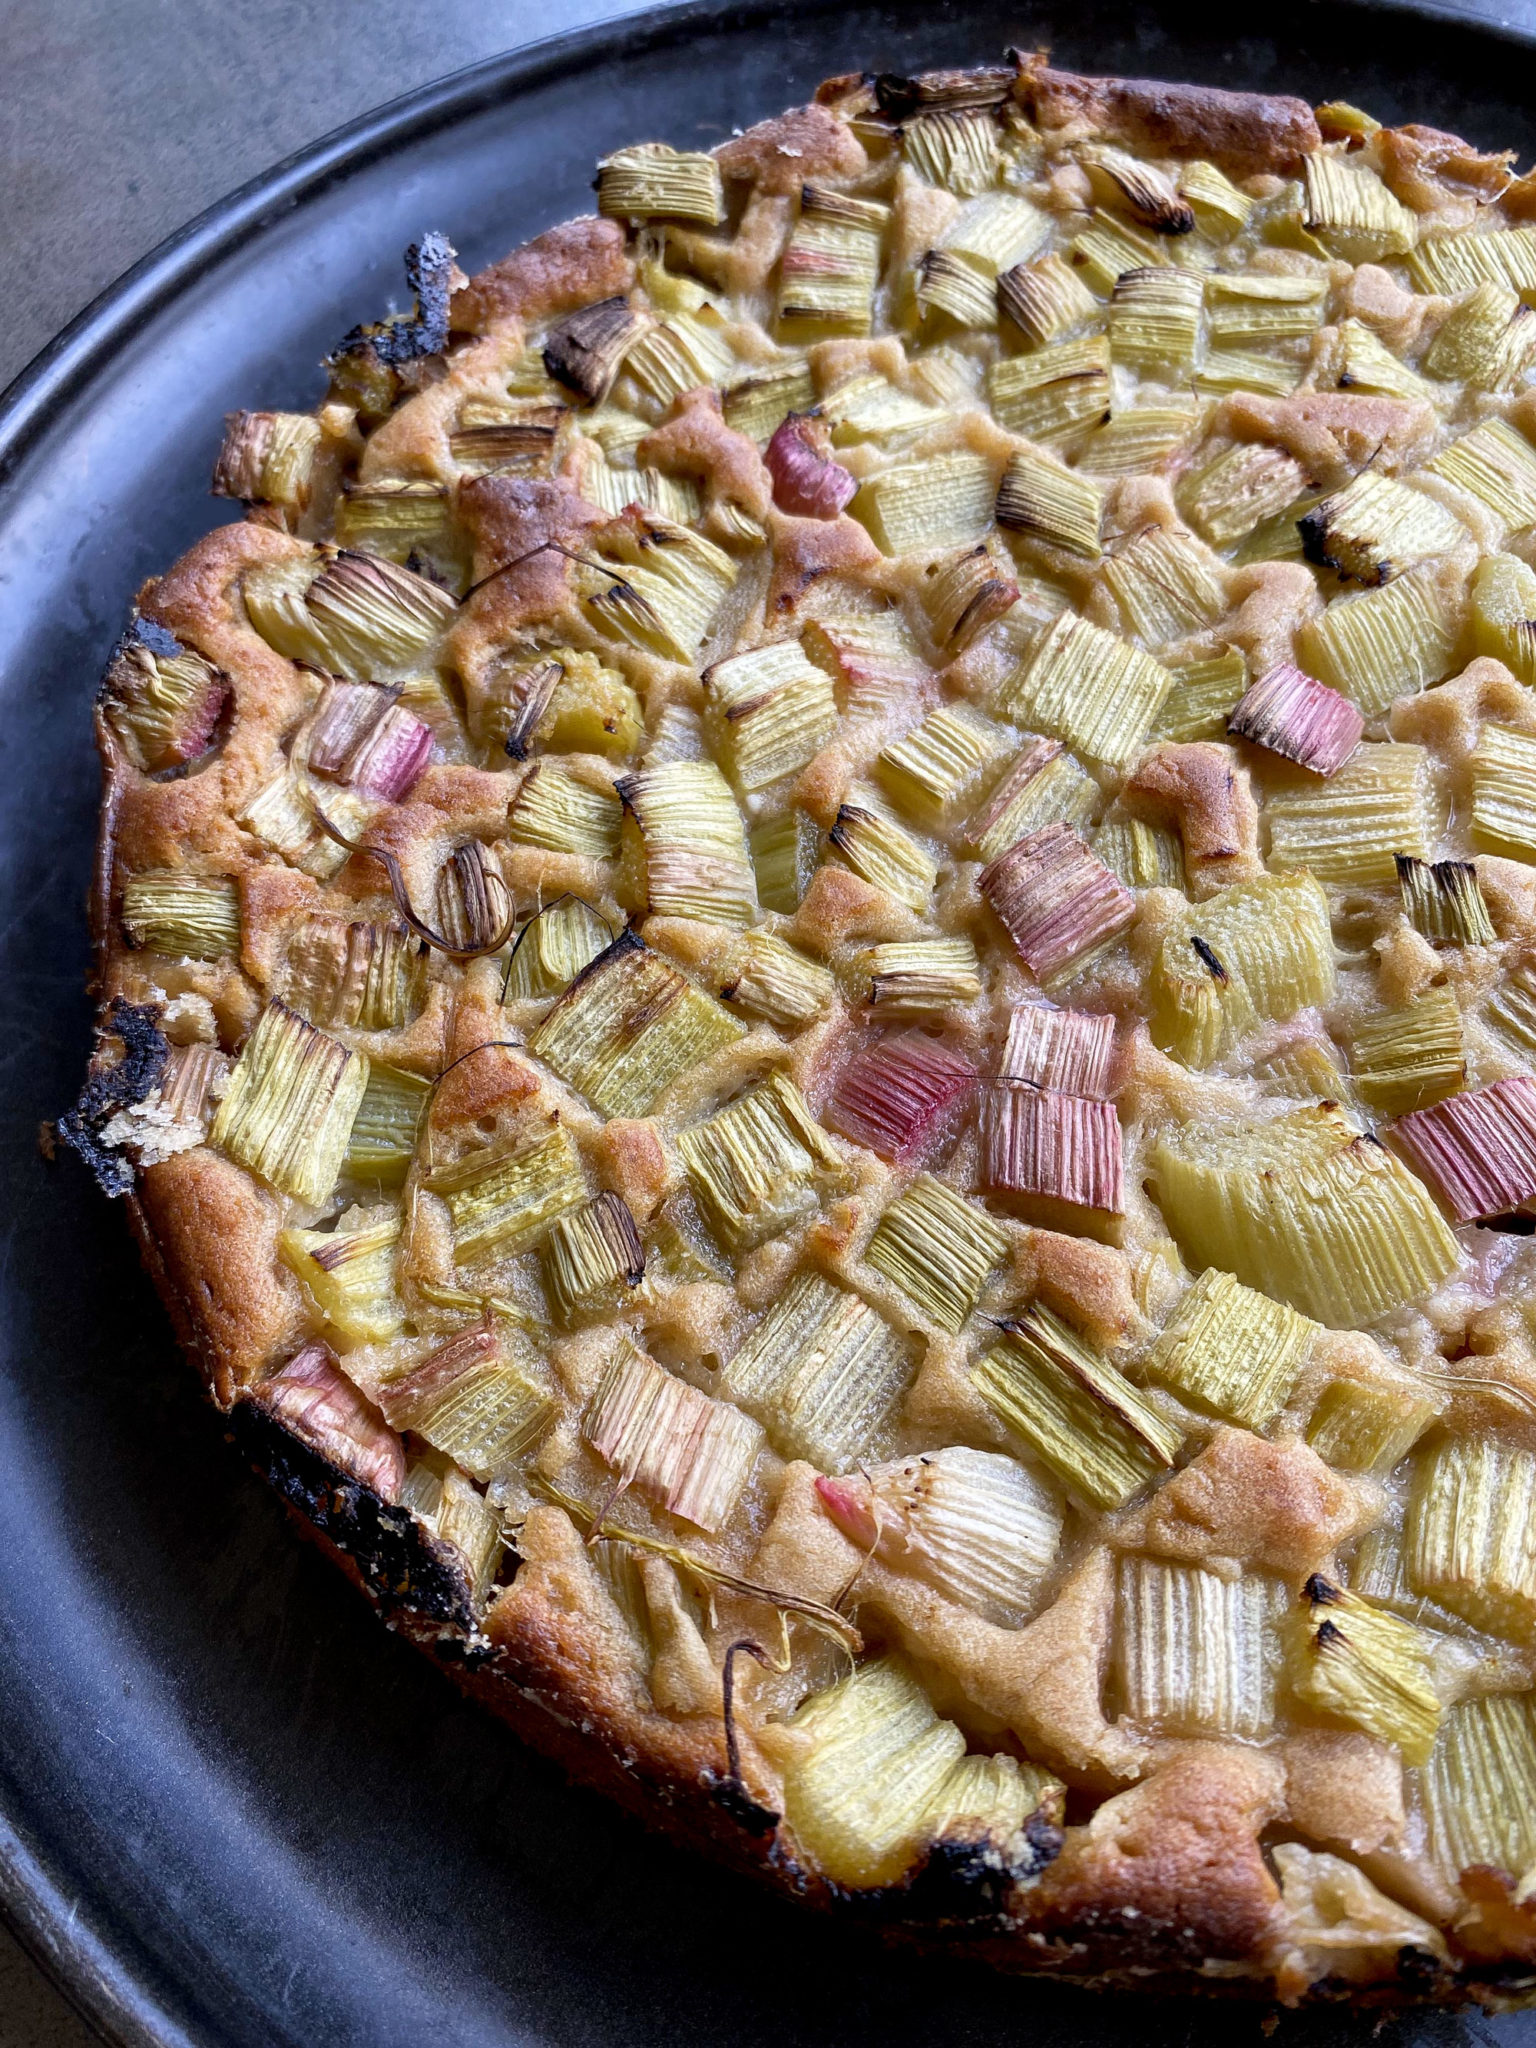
point(233, 1809)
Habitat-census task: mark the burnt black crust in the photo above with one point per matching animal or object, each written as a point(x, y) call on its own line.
point(429, 273)
point(403, 1564)
point(965, 1883)
point(137, 1028)
point(969, 1883)
point(732, 1797)
point(156, 640)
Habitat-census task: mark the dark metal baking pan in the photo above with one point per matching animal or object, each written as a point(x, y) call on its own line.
point(233, 1809)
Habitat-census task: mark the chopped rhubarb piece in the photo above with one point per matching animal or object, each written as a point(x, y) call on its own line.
point(687, 1451)
point(893, 1096)
point(1290, 713)
point(1071, 1051)
point(348, 713)
point(1478, 1150)
point(312, 1397)
point(361, 737)
point(390, 760)
point(806, 482)
point(1037, 1143)
point(1057, 900)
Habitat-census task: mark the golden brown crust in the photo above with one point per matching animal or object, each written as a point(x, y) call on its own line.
point(1245, 1500)
point(695, 442)
point(1418, 162)
point(568, 266)
point(791, 150)
point(1332, 434)
point(216, 1233)
point(1203, 793)
point(1167, 1877)
point(1242, 131)
point(1169, 1870)
point(807, 550)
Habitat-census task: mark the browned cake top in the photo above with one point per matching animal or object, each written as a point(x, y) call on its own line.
point(819, 977)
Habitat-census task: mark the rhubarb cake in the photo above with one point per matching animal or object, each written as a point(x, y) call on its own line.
point(817, 955)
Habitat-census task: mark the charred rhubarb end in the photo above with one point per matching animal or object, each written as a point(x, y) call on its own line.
point(1045, 299)
point(880, 852)
point(1354, 1662)
point(584, 351)
point(917, 977)
point(350, 1276)
point(1375, 528)
point(163, 701)
point(593, 1258)
point(1154, 317)
point(758, 405)
point(1443, 901)
point(965, 592)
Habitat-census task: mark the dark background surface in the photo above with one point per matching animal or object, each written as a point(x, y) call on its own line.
point(117, 123)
